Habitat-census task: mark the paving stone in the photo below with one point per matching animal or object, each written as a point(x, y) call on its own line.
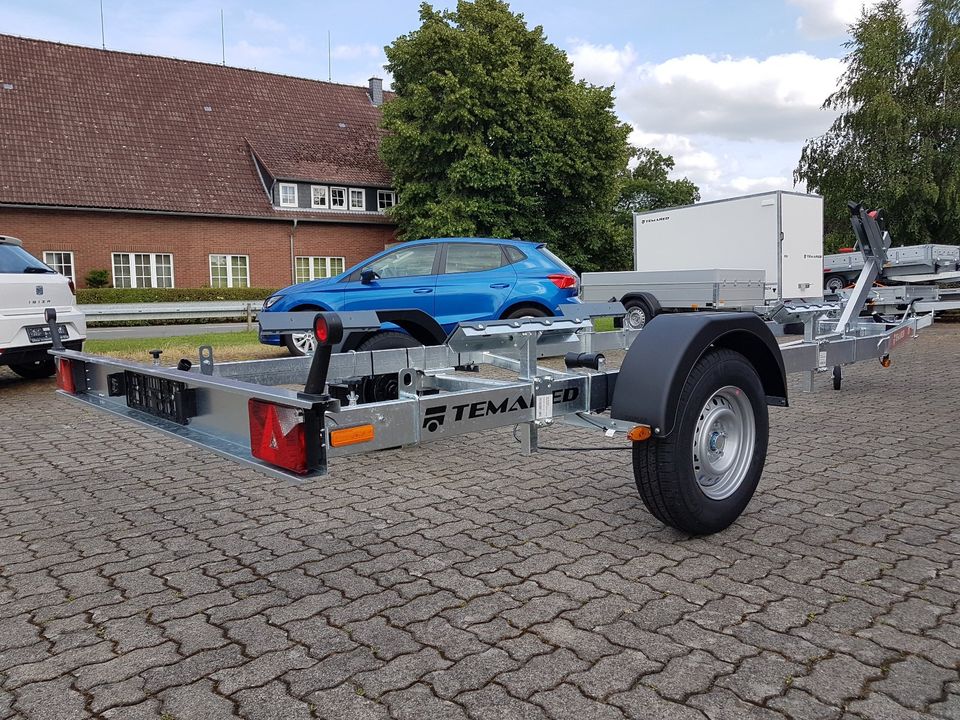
point(401, 672)
point(195, 667)
point(262, 669)
point(194, 633)
point(880, 707)
point(271, 702)
point(914, 682)
point(691, 673)
point(568, 703)
point(418, 701)
point(643, 702)
point(614, 674)
point(759, 678)
point(562, 633)
point(452, 642)
point(331, 671)
point(470, 673)
point(345, 702)
point(801, 705)
point(542, 672)
point(126, 665)
point(53, 700)
point(836, 679)
point(722, 704)
point(493, 703)
point(198, 700)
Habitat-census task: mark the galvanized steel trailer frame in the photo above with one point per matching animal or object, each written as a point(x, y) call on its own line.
point(438, 396)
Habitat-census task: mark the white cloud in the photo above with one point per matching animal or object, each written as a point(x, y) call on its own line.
point(264, 23)
point(356, 52)
point(732, 125)
point(831, 18)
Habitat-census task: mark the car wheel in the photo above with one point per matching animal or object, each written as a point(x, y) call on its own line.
point(834, 284)
point(35, 370)
point(300, 344)
point(525, 312)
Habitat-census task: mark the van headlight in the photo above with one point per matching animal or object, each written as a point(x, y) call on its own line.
point(270, 301)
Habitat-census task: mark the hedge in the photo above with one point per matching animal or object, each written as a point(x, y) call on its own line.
point(91, 296)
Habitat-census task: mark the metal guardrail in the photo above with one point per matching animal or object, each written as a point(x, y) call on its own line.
point(120, 312)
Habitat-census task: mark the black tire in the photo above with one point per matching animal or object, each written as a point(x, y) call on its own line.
point(666, 470)
point(638, 314)
point(35, 370)
point(524, 312)
point(388, 340)
point(834, 284)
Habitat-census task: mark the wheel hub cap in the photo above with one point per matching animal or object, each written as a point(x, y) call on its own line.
point(723, 442)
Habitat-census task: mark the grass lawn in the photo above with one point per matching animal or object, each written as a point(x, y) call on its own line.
point(226, 346)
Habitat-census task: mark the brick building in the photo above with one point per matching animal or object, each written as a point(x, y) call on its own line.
point(169, 173)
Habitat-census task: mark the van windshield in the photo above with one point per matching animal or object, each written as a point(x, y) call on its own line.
point(15, 260)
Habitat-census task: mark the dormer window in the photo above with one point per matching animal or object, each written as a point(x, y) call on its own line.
point(288, 195)
point(318, 197)
point(338, 198)
point(357, 200)
point(386, 199)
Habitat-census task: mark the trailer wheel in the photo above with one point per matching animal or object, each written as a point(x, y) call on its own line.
point(700, 478)
point(638, 314)
point(834, 284)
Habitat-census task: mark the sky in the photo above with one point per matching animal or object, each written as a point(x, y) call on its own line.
point(730, 88)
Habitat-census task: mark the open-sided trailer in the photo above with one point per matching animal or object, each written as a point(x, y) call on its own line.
point(691, 393)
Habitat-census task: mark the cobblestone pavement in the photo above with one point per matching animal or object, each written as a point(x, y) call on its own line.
point(143, 578)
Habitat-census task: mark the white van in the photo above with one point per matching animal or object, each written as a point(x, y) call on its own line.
point(27, 288)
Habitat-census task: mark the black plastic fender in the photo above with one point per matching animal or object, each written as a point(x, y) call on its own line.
point(660, 359)
point(418, 324)
point(650, 299)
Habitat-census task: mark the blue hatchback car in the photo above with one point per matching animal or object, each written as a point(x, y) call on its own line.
point(451, 279)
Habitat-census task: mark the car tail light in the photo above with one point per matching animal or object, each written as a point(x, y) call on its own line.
point(278, 435)
point(65, 379)
point(563, 281)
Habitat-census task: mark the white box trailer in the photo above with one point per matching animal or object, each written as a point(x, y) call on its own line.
point(778, 232)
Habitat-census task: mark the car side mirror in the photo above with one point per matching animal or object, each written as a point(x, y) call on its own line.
point(367, 276)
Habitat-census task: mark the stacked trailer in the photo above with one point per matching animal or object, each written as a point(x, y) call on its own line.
point(691, 394)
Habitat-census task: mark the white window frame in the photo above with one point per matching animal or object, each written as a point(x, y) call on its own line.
point(325, 193)
point(346, 198)
point(381, 195)
point(133, 268)
point(296, 197)
point(73, 267)
point(230, 279)
point(363, 199)
point(327, 260)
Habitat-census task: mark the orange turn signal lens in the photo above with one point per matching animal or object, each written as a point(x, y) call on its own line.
point(640, 433)
point(351, 435)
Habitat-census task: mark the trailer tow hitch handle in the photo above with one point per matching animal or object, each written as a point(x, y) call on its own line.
point(50, 315)
point(329, 332)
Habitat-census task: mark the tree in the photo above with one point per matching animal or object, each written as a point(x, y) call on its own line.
point(895, 143)
point(490, 135)
point(647, 187)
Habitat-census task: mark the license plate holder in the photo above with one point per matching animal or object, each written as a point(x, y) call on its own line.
point(167, 399)
point(41, 333)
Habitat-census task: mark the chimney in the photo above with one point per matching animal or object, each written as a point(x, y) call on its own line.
point(376, 91)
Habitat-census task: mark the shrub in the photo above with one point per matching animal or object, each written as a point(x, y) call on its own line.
point(92, 296)
point(97, 279)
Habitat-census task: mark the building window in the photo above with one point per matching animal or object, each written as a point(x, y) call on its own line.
point(142, 270)
point(315, 268)
point(229, 271)
point(288, 195)
point(357, 200)
point(338, 198)
point(61, 261)
point(318, 196)
point(386, 199)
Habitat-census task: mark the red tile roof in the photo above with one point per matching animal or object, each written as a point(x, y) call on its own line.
point(82, 127)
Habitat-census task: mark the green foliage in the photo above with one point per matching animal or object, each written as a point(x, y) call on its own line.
point(489, 135)
point(896, 143)
point(648, 187)
point(97, 279)
point(90, 296)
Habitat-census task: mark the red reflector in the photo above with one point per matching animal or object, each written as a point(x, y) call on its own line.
point(562, 280)
point(277, 435)
point(320, 329)
point(873, 213)
point(847, 250)
point(65, 376)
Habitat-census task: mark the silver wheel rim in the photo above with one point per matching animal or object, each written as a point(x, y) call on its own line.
point(635, 318)
point(723, 442)
point(304, 342)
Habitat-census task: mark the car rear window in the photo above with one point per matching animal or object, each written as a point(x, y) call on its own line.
point(554, 258)
point(514, 254)
point(15, 260)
